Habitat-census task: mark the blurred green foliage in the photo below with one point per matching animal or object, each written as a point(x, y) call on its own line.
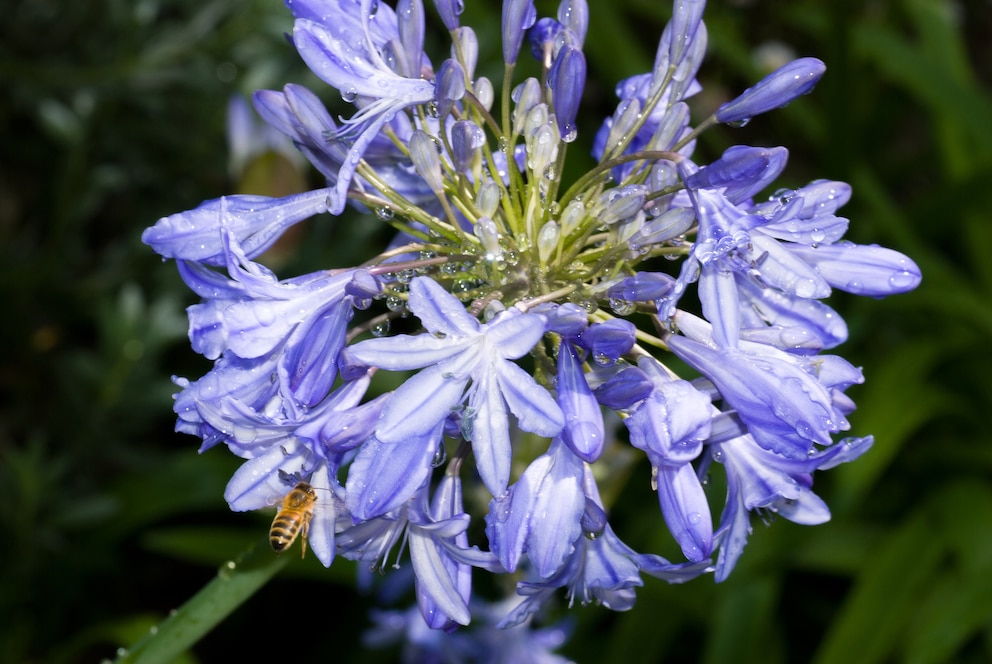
point(113, 115)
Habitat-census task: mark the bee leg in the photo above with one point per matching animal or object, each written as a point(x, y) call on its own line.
point(304, 532)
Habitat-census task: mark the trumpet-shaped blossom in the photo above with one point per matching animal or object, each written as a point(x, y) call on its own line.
point(518, 315)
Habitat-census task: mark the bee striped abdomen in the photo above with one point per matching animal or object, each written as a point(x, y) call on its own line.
point(293, 518)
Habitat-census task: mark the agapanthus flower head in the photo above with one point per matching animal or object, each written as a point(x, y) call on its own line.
point(537, 315)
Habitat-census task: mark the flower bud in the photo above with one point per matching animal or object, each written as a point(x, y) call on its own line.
point(518, 16)
point(742, 170)
point(643, 287)
point(567, 79)
point(574, 15)
point(609, 339)
point(466, 139)
point(423, 153)
point(410, 20)
point(773, 91)
point(449, 11)
point(450, 85)
point(525, 96)
point(669, 225)
point(466, 45)
point(547, 241)
point(622, 203)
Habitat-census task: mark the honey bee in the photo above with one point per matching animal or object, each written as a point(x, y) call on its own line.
point(293, 518)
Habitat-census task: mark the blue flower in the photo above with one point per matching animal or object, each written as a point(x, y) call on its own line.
point(784, 406)
point(439, 551)
point(761, 480)
point(670, 424)
point(540, 514)
point(521, 291)
point(460, 350)
point(255, 221)
point(345, 52)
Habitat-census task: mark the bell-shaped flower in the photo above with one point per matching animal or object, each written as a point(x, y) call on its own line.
point(599, 567)
point(249, 382)
point(540, 514)
point(442, 559)
point(255, 221)
point(791, 323)
point(251, 432)
point(670, 425)
point(773, 91)
point(672, 422)
point(346, 54)
point(262, 482)
point(758, 479)
point(301, 116)
point(785, 408)
point(384, 476)
point(436, 536)
point(252, 314)
point(458, 350)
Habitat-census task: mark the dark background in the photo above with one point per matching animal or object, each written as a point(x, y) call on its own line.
point(113, 114)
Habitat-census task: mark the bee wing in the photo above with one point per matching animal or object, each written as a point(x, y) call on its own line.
point(327, 510)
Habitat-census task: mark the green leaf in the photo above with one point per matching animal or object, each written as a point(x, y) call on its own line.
point(957, 608)
point(886, 596)
point(905, 372)
point(745, 625)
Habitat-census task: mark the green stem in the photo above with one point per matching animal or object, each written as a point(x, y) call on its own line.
point(236, 581)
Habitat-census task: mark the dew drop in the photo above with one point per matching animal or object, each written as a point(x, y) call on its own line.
point(380, 329)
point(622, 307)
point(384, 213)
point(901, 280)
point(440, 456)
